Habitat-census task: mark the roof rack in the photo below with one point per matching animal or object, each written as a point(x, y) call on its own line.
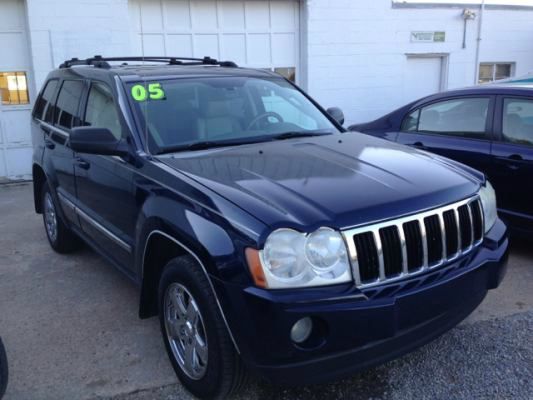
point(102, 62)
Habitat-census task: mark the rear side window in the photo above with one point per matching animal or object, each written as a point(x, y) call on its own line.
point(102, 111)
point(410, 123)
point(458, 117)
point(68, 100)
point(44, 104)
point(518, 121)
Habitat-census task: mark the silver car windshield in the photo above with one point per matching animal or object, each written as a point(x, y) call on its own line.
point(195, 113)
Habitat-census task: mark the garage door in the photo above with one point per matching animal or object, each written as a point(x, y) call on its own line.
point(258, 33)
point(15, 109)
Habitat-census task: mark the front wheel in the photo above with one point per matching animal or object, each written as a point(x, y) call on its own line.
point(197, 341)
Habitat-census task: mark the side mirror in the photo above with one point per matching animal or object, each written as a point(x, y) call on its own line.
point(93, 140)
point(337, 114)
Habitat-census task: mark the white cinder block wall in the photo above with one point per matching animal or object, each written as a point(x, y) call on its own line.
point(356, 50)
point(352, 54)
point(61, 29)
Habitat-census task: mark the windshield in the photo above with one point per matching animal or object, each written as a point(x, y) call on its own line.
point(203, 112)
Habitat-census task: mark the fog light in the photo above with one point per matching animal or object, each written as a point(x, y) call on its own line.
point(301, 330)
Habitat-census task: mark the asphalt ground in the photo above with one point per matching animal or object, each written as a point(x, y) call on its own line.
point(71, 331)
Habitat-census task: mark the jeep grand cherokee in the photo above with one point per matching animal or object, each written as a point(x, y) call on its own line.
point(265, 237)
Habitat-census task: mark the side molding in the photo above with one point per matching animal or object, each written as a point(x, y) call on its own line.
point(158, 232)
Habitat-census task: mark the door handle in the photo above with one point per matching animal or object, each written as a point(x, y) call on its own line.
point(49, 144)
point(80, 162)
point(512, 161)
point(419, 145)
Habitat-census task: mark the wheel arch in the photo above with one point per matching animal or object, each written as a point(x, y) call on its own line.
point(39, 179)
point(159, 248)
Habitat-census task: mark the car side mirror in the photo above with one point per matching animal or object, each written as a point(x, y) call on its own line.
point(337, 114)
point(93, 140)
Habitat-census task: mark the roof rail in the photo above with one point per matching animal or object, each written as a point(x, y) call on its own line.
point(102, 62)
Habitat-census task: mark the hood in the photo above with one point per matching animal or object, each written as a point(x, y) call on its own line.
point(340, 180)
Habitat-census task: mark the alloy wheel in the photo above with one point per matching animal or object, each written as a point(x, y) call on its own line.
point(185, 331)
point(50, 217)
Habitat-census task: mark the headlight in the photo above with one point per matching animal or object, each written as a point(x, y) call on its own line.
point(293, 259)
point(488, 201)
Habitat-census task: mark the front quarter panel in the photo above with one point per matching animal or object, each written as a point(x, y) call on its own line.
point(216, 231)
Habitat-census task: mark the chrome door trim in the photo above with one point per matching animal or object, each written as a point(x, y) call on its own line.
point(103, 230)
point(54, 128)
point(159, 232)
point(64, 200)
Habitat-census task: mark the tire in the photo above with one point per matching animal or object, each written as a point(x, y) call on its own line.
point(60, 237)
point(3, 370)
point(215, 371)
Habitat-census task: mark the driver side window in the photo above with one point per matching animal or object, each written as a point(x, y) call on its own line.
point(286, 110)
point(102, 111)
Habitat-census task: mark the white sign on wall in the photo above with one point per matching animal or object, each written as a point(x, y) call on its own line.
point(428, 36)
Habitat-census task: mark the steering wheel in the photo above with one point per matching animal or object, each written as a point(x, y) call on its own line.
point(263, 116)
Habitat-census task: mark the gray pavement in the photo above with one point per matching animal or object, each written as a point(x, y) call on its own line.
point(71, 330)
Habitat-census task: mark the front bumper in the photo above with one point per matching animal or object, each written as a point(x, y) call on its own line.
point(357, 329)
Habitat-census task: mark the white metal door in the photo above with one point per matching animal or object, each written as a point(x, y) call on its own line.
point(15, 93)
point(259, 34)
point(424, 75)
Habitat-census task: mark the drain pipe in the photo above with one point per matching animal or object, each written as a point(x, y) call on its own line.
point(478, 44)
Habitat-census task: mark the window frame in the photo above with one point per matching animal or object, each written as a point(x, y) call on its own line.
point(78, 111)
point(493, 65)
point(19, 105)
point(489, 123)
point(52, 100)
point(116, 101)
point(498, 136)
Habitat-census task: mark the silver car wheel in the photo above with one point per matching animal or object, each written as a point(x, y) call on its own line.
point(185, 331)
point(50, 217)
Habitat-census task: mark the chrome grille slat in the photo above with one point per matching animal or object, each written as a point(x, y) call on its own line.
point(469, 208)
point(382, 264)
point(443, 235)
point(379, 249)
point(404, 248)
point(424, 242)
point(459, 239)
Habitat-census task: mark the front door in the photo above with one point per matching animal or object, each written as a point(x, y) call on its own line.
point(513, 160)
point(105, 198)
point(457, 128)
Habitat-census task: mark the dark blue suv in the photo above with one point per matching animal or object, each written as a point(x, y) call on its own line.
point(264, 236)
point(488, 127)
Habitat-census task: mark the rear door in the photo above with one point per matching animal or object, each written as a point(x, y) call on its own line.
point(458, 128)
point(56, 115)
point(512, 153)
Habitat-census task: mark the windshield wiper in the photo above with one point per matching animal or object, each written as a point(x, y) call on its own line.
point(206, 144)
point(297, 134)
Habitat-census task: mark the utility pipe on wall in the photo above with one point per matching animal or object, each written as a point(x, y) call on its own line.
point(478, 44)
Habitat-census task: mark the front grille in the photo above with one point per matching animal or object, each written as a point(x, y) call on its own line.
point(408, 246)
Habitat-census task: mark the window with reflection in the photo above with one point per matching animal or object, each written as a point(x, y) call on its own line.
point(14, 88)
point(517, 124)
point(466, 117)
